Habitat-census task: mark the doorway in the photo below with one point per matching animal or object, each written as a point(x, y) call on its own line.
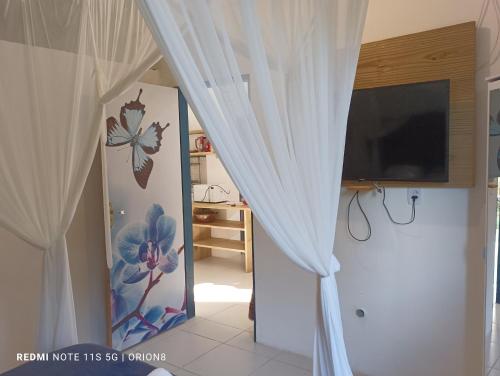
point(219, 265)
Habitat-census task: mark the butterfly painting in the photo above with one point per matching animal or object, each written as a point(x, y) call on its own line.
point(143, 144)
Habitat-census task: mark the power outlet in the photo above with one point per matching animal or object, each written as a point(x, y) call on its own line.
point(414, 192)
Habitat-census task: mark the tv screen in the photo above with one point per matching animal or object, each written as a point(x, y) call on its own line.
point(398, 133)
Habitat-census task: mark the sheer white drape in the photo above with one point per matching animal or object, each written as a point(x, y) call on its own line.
point(61, 61)
point(284, 149)
point(122, 43)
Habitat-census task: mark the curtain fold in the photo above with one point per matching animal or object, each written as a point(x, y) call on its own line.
point(122, 45)
point(61, 61)
point(57, 312)
point(284, 148)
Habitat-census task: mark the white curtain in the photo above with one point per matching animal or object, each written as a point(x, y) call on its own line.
point(284, 149)
point(61, 61)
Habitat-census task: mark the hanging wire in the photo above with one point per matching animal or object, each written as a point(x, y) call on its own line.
point(368, 236)
point(212, 187)
point(412, 216)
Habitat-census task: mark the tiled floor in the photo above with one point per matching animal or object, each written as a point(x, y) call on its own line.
point(493, 347)
point(219, 341)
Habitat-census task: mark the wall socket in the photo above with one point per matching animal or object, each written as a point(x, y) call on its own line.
point(414, 192)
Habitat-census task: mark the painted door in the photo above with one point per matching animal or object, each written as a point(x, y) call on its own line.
point(144, 184)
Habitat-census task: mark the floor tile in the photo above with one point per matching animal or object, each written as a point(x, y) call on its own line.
point(245, 341)
point(235, 316)
point(494, 372)
point(223, 270)
point(152, 344)
point(221, 292)
point(211, 329)
point(183, 347)
point(207, 309)
point(169, 367)
point(227, 361)
point(274, 368)
point(492, 355)
point(296, 360)
point(495, 333)
point(183, 372)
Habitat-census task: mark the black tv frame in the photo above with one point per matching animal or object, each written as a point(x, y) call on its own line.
point(446, 179)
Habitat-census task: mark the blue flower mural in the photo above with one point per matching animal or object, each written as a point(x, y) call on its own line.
point(143, 254)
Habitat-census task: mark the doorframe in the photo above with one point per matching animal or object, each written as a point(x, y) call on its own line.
point(497, 238)
point(186, 204)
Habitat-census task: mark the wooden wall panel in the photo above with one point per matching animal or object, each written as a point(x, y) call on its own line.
point(440, 54)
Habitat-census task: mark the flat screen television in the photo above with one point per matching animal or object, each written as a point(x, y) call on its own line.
point(398, 133)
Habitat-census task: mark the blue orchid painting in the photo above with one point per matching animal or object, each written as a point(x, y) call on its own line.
point(143, 254)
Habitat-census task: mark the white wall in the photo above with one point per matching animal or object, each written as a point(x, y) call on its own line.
point(87, 258)
point(421, 285)
point(411, 281)
point(491, 251)
point(285, 297)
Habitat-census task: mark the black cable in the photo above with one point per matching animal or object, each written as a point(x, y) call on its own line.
point(412, 217)
point(356, 195)
point(211, 187)
point(205, 195)
point(217, 185)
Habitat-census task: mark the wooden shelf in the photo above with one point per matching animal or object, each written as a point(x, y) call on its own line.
point(222, 224)
point(362, 186)
point(226, 244)
point(200, 153)
point(220, 206)
point(203, 241)
point(196, 131)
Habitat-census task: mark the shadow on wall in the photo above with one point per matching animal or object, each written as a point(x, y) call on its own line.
point(87, 259)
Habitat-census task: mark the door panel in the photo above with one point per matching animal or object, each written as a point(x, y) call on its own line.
point(144, 180)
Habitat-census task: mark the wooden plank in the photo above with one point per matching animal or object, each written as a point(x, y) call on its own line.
point(196, 131)
point(248, 241)
point(221, 224)
point(201, 233)
point(358, 186)
point(200, 153)
point(221, 243)
point(441, 54)
point(200, 253)
point(221, 206)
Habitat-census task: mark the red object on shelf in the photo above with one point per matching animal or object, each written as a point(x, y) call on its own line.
point(203, 144)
